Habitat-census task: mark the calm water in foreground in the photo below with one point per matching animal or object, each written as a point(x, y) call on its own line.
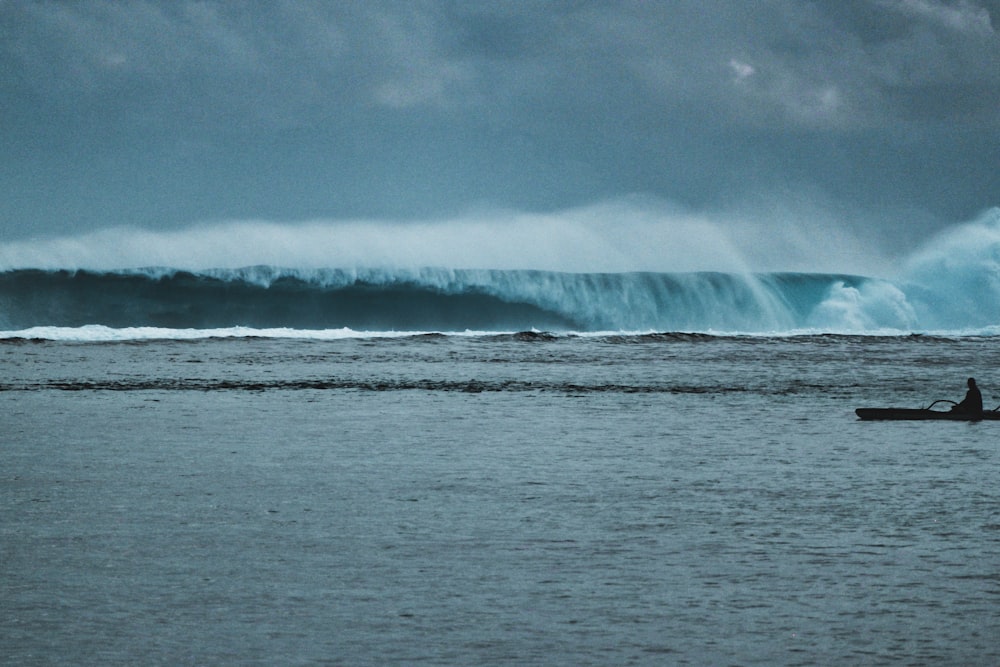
point(496, 500)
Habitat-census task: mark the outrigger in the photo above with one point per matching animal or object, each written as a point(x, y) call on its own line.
point(893, 414)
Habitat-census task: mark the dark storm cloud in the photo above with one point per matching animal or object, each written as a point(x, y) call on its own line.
point(164, 113)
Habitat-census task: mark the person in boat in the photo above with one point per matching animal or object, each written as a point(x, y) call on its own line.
point(973, 402)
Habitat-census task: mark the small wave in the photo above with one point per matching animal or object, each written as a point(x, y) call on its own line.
point(467, 386)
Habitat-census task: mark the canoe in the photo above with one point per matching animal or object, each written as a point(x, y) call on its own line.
point(871, 414)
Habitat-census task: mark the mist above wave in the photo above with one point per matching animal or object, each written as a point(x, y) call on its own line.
point(617, 236)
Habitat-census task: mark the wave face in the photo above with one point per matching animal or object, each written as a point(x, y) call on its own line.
point(447, 300)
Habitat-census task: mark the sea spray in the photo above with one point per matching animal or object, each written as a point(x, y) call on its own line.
point(954, 280)
point(612, 237)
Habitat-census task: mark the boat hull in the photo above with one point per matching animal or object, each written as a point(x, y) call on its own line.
point(909, 414)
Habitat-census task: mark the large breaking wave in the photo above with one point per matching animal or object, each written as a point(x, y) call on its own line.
point(451, 300)
point(954, 286)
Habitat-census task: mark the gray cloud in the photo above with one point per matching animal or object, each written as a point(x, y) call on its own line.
point(163, 113)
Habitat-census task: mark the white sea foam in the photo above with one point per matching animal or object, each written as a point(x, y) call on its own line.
point(95, 333)
point(873, 305)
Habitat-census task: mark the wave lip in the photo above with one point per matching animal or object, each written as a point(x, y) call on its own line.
point(429, 299)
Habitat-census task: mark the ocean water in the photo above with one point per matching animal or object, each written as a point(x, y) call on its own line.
point(261, 445)
point(494, 499)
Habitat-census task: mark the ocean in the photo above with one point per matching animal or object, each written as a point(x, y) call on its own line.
point(269, 465)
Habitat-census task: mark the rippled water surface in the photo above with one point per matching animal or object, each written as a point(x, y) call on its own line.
point(457, 500)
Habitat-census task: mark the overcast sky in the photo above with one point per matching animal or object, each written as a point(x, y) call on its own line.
point(161, 115)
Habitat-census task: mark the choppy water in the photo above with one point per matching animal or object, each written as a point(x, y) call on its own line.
point(458, 500)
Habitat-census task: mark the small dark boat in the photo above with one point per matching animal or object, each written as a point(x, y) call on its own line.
point(895, 414)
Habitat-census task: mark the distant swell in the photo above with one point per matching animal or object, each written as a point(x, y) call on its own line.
point(417, 300)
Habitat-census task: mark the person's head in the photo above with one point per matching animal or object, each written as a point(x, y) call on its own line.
point(972, 382)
